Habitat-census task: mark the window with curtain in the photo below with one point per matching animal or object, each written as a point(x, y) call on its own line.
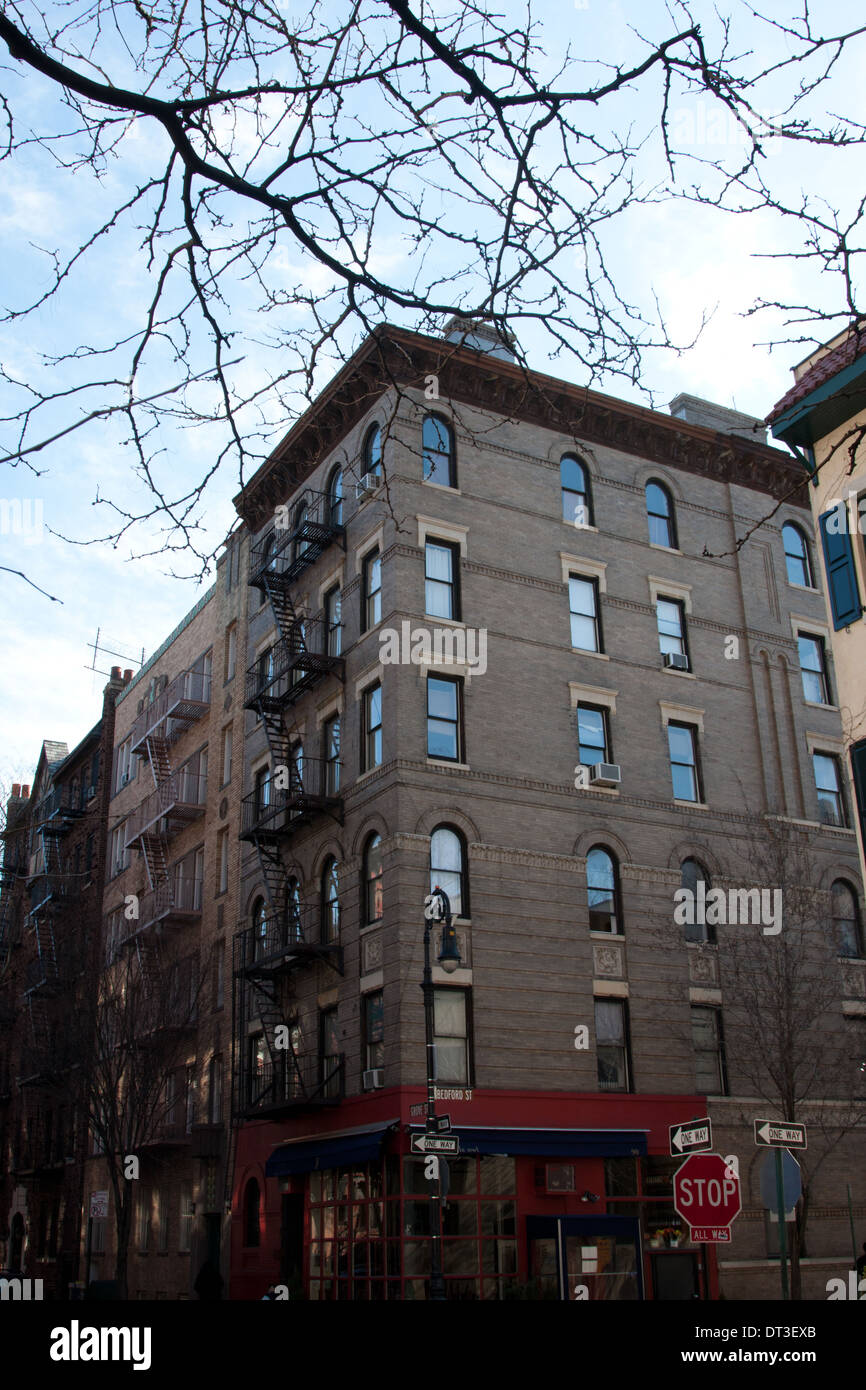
point(602, 891)
point(330, 902)
point(660, 515)
point(448, 868)
point(373, 896)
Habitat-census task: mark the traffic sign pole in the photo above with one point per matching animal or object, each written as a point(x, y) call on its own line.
point(783, 1233)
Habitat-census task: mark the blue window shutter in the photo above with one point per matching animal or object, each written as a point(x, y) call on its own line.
point(841, 575)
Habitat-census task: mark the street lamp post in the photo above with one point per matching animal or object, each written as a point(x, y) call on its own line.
point(437, 908)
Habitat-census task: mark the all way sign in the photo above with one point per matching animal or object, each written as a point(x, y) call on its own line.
point(780, 1136)
point(695, 1137)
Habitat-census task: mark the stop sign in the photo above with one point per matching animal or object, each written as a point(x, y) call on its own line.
point(706, 1192)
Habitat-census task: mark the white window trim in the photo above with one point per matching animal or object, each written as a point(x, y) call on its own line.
point(582, 568)
point(682, 714)
point(431, 528)
point(335, 580)
point(824, 743)
point(670, 589)
point(363, 548)
point(705, 996)
point(591, 694)
point(372, 983)
point(812, 627)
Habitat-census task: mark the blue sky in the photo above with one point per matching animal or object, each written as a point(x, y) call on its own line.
point(692, 259)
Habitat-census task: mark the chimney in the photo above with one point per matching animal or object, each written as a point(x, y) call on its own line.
point(696, 411)
point(16, 789)
point(115, 673)
point(25, 790)
point(127, 676)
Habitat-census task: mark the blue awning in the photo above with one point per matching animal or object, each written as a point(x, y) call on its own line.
point(329, 1151)
point(554, 1143)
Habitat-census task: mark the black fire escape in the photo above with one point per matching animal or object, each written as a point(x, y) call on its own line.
point(272, 1073)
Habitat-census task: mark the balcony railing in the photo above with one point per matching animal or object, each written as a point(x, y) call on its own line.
point(52, 890)
point(285, 553)
point(178, 900)
point(180, 799)
point(306, 1081)
point(293, 665)
point(314, 788)
point(59, 807)
point(281, 942)
point(168, 1134)
point(182, 702)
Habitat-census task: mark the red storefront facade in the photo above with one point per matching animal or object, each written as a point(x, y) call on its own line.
point(553, 1195)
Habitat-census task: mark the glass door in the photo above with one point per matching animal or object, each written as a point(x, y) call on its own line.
point(576, 1258)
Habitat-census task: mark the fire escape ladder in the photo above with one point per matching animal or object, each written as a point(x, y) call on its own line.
point(155, 853)
point(158, 757)
point(46, 947)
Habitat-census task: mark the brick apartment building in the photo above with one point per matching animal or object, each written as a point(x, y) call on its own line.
point(50, 920)
point(169, 909)
point(436, 486)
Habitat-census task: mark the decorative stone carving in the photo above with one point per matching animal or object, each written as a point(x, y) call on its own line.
point(607, 960)
point(371, 952)
point(703, 967)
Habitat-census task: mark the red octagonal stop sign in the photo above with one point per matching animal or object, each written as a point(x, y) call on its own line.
point(707, 1196)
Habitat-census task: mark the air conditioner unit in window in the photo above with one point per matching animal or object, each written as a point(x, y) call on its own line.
point(374, 1079)
point(676, 661)
point(367, 486)
point(604, 775)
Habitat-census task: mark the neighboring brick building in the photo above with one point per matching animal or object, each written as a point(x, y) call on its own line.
point(170, 902)
point(50, 919)
point(646, 637)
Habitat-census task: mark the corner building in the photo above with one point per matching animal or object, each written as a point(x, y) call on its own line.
point(434, 485)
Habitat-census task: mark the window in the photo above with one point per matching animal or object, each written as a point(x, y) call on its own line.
point(262, 784)
point(330, 901)
point(334, 620)
point(691, 874)
point(252, 1223)
point(451, 1036)
point(223, 861)
point(842, 588)
point(260, 928)
point(335, 497)
point(372, 590)
point(227, 755)
point(300, 543)
point(231, 651)
point(585, 623)
point(296, 766)
point(265, 669)
point(143, 1222)
point(592, 736)
point(670, 617)
point(124, 764)
point(797, 562)
point(448, 868)
point(373, 905)
point(443, 718)
point(710, 1074)
point(374, 1030)
point(831, 804)
point(437, 440)
point(602, 891)
point(118, 855)
point(88, 853)
point(186, 1219)
point(256, 1067)
point(611, 1041)
point(574, 481)
point(329, 1053)
point(660, 516)
point(331, 732)
point(441, 568)
point(813, 668)
point(293, 908)
point(846, 919)
point(373, 451)
point(219, 976)
point(372, 746)
point(161, 1208)
point(682, 746)
point(191, 1098)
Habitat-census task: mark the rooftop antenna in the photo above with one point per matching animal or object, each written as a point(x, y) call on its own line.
point(107, 651)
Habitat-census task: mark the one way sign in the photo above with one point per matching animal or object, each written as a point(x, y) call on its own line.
point(692, 1138)
point(777, 1134)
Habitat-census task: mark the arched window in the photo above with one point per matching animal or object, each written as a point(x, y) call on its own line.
point(448, 868)
point(252, 1213)
point(260, 928)
point(330, 901)
point(373, 879)
point(293, 910)
point(335, 497)
point(373, 450)
point(268, 561)
point(437, 439)
point(797, 561)
point(576, 501)
point(692, 872)
point(846, 919)
point(602, 891)
point(660, 515)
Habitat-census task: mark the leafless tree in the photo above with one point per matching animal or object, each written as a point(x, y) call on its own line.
point(280, 182)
